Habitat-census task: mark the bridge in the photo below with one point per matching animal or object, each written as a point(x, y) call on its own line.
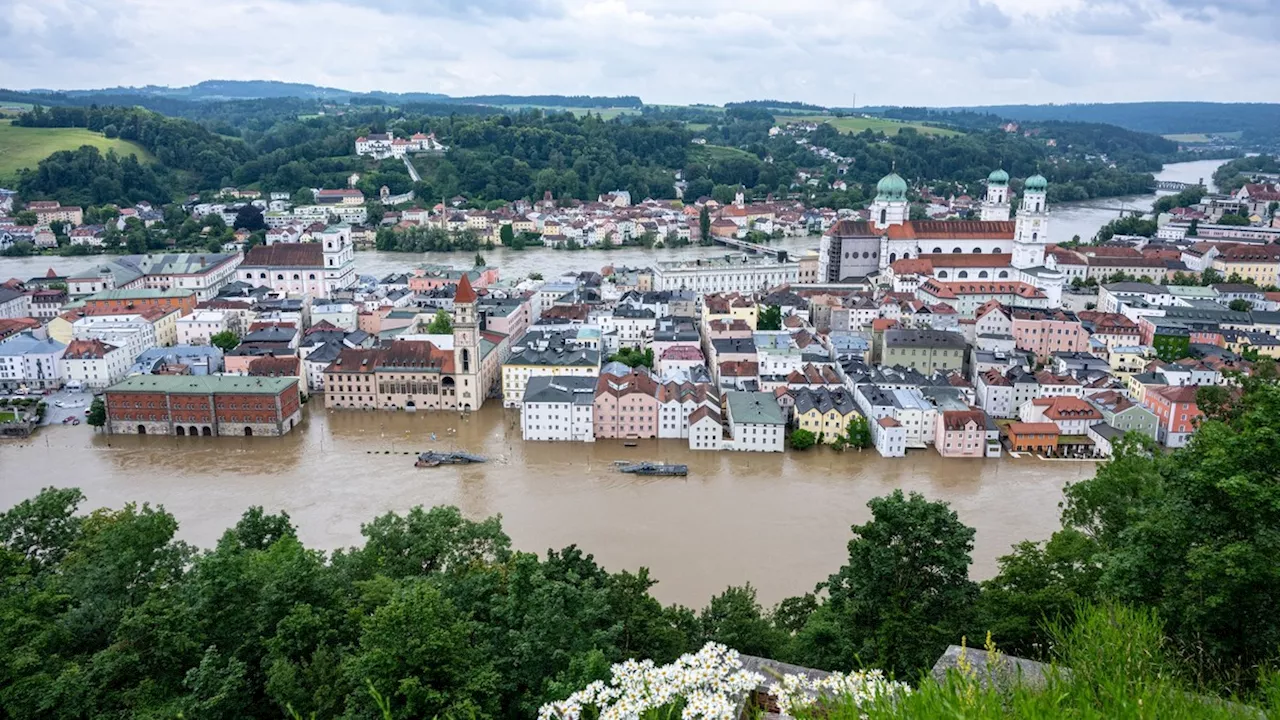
point(745, 246)
point(1176, 186)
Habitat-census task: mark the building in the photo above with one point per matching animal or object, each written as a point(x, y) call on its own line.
point(318, 269)
point(756, 422)
point(203, 274)
point(706, 429)
point(890, 437)
point(924, 350)
point(95, 364)
point(1258, 264)
point(1124, 415)
point(558, 408)
point(1072, 415)
point(27, 361)
point(198, 327)
point(559, 361)
point(1177, 415)
point(824, 412)
point(961, 434)
point(729, 273)
point(50, 211)
point(626, 405)
point(135, 300)
point(14, 304)
point(1038, 438)
point(210, 405)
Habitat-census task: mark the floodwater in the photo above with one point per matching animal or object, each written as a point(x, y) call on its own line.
point(778, 521)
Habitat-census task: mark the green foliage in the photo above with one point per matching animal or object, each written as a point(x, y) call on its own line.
point(858, 433)
point(904, 595)
point(1186, 198)
point(424, 239)
point(441, 324)
point(802, 439)
point(770, 318)
point(1233, 219)
point(1240, 305)
point(1128, 225)
point(633, 357)
point(227, 340)
point(97, 416)
point(507, 235)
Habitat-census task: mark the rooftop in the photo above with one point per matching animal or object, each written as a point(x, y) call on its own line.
point(204, 384)
point(754, 408)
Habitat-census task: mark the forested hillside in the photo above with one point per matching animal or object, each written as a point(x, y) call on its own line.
point(1258, 122)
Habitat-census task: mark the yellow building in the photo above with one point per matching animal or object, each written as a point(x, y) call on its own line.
point(825, 413)
point(1127, 360)
point(1258, 264)
point(729, 307)
point(533, 362)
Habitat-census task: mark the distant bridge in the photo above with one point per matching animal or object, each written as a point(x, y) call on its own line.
point(1176, 186)
point(748, 246)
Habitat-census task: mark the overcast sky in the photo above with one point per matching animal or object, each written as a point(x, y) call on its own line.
point(900, 52)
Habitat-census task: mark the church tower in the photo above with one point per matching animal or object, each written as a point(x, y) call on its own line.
point(1031, 233)
point(890, 205)
point(996, 205)
point(466, 347)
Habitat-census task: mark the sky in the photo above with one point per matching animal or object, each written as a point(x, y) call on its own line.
point(828, 52)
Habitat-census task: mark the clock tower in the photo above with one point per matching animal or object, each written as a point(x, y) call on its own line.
point(466, 347)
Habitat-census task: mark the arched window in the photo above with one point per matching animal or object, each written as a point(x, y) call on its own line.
point(330, 262)
point(997, 251)
point(865, 254)
point(1035, 236)
point(312, 276)
point(937, 250)
point(279, 276)
point(262, 276)
point(893, 257)
point(942, 274)
point(884, 216)
point(1037, 206)
point(956, 251)
point(296, 276)
point(466, 360)
point(1004, 274)
point(963, 275)
point(977, 251)
point(983, 275)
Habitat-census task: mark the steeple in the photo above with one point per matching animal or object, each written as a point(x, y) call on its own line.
point(466, 346)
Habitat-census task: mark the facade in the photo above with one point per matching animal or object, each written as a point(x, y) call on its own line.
point(1124, 415)
point(1177, 414)
point(203, 274)
point(730, 273)
point(141, 299)
point(14, 304)
point(890, 437)
point(203, 406)
point(558, 408)
point(198, 327)
point(626, 406)
point(317, 269)
point(824, 412)
point(756, 422)
point(1072, 415)
point(961, 434)
point(1038, 438)
point(95, 364)
point(924, 350)
point(522, 367)
point(706, 429)
point(27, 361)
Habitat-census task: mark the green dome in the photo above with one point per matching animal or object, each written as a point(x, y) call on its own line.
point(998, 177)
point(891, 187)
point(1036, 182)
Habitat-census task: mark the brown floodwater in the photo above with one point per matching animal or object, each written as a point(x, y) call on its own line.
point(778, 521)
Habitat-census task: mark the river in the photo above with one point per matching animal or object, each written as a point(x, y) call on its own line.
point(780, 522)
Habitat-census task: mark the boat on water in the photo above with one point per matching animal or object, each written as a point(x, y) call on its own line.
point(650, 468)
point(435, 459)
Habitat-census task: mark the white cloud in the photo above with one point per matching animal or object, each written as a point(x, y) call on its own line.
point(917, 52)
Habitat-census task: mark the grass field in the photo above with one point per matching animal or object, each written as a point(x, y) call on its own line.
point(1202, 137)
point(707, 153)
point(858, 124)
point(22, 147)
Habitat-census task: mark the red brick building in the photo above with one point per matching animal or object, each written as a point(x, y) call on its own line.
point(204, 405)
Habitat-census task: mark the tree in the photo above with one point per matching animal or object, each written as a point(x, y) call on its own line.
point(770, 318)
point(249, 217)
point(97, 413)
point(904, 595)
point(801, 439)
point(1193, 229)
point(704, 224)
point(227, 340)
point(1240, 305)
point(507, 235)
point(858, 434)
point(735, 618)
point(441, 324)
point(535, 276)
point(25, 217)
point(1233, 219)
point(479, 260)
point(633, 357)
point(1210, 276)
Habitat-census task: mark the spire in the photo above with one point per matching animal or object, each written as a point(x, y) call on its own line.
point(464, 294)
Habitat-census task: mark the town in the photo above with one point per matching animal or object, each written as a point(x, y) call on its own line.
point(969, 338)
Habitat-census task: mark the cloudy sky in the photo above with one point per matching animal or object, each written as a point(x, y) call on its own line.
point(902, 52)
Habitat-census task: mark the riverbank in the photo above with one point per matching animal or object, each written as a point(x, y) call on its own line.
point(780, 522)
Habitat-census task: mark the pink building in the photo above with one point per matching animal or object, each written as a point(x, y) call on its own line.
point(626, 406)
point(679, 357)
point(961, 433)
point(1176, 412)
point(430, 277)
point(1045, 332)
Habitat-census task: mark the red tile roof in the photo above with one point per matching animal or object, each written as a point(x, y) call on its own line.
point(286, 255)
point(953, 230)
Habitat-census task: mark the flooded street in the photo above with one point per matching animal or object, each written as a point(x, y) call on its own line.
point(780, 522)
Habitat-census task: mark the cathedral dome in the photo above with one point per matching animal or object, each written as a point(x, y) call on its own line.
point(998, 177)
point(1036, 182)
point(891, 187)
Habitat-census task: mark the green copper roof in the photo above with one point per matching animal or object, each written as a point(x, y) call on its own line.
point(204, 384)
point(998, 177)
point(891, 187)
point(1036, 182)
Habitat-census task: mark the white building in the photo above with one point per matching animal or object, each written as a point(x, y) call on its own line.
point(30, 362)
point(95, 364)
point(558, 408)
point(14, 304)
point(756, 422)
point(890, 437)
point(706, 431)
point(317, 269)
point(730, 273)
point(198, 327)
point(133, 334)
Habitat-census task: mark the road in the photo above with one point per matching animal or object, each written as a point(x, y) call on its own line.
point(413, 171)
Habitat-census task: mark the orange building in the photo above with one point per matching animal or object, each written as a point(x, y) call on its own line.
point(1032, 437)
point(137, 300)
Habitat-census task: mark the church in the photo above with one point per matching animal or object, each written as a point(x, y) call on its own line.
point(993, 248)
